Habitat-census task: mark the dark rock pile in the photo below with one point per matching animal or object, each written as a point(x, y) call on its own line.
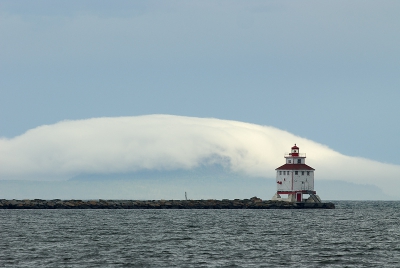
point(252, 203)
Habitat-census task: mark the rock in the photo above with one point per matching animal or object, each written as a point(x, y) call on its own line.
point(252, 203)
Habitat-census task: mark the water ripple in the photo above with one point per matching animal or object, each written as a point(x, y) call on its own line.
point(356, 234)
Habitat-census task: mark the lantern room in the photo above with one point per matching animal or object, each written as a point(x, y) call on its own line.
point(295, 150)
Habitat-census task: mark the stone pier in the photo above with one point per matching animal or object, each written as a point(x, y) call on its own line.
point(252, 203)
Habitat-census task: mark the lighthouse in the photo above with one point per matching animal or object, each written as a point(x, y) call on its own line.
point(295, 179)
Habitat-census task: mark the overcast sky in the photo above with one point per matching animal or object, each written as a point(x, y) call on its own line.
point(327, 71)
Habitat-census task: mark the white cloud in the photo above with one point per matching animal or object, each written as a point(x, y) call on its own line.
point(166, 142)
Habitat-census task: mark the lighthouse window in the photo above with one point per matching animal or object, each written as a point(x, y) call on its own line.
point(302, 173)
point(280, 172)
point(296, 173)
point(290, 161)
point(299, 161)
point(308, 173)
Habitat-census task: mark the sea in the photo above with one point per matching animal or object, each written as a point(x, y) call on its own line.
point(355, 234)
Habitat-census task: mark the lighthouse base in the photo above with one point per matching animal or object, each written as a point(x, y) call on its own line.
point(297, 197)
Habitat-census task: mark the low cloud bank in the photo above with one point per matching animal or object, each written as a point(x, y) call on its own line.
point(165, 142)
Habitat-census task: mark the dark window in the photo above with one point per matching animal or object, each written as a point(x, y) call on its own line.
point(296, 173)
point(299, 161)
point(280, 172)
point(302, 173)
point(308, 173)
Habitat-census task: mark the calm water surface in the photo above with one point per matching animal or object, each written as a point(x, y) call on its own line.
point(355, 234)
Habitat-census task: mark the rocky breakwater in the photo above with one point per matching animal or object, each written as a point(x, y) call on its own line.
point(252, 203)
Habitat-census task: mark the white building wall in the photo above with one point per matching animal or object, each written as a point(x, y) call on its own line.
point(300, 182)
point(294, 160)
point(285, 179)
point(303, 182)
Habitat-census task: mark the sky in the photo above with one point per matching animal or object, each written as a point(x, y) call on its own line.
point(166, 151)
point(323, 71)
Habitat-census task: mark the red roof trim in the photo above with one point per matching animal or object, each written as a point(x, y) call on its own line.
point(293, 192)
point(294, 167)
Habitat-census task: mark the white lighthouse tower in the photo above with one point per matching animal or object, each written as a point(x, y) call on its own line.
point(295, 179)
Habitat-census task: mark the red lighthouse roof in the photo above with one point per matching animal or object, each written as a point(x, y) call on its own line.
point(294, 167)
point(295, 147)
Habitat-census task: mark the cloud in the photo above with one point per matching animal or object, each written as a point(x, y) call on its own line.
point(166, 142)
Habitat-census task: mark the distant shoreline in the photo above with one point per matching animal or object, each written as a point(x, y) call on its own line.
point(252, 203)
